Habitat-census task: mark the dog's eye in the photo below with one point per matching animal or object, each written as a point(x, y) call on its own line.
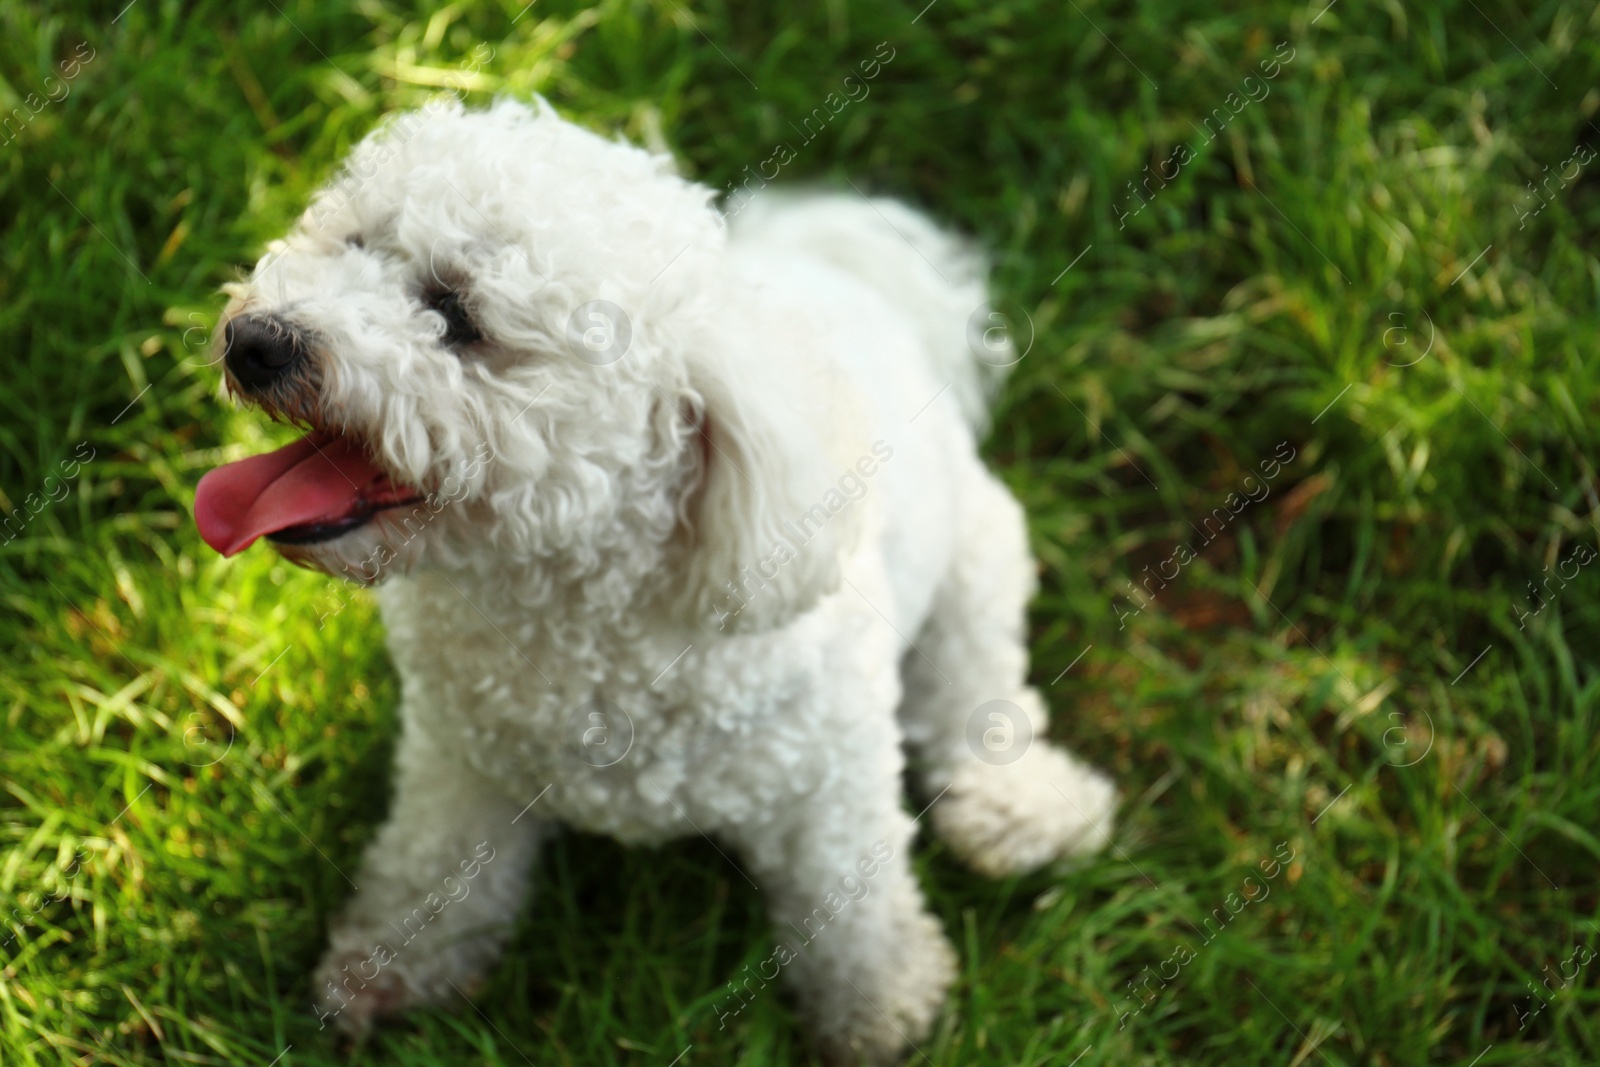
point(459, 328)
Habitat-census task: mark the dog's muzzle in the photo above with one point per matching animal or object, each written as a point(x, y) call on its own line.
point(261, 351)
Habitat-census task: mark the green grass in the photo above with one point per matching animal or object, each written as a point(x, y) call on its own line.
point(193, 749)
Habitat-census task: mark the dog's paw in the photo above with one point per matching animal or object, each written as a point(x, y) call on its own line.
point(353, 991)
point(1004, 820)
point(875, 1018)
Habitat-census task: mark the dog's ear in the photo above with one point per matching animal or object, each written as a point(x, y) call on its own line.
point(771, 514)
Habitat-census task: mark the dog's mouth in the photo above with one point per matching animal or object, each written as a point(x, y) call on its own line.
point(319, 488)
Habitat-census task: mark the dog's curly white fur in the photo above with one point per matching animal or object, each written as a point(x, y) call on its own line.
point(762, 539)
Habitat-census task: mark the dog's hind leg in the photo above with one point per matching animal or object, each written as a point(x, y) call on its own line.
point(1008, 799)
point(439, 889)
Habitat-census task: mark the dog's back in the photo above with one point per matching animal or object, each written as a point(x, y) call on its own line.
point(938, 279)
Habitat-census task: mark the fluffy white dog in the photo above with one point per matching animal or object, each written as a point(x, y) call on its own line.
point(679, 527)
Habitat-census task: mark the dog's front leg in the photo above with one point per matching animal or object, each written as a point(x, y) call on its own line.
point(869, 964)
point(438, 891)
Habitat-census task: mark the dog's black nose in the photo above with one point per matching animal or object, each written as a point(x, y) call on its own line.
point(259, 351)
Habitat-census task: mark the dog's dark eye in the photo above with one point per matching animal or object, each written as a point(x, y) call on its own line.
point(459, 329)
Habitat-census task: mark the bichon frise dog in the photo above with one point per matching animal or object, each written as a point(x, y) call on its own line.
point(678, 526)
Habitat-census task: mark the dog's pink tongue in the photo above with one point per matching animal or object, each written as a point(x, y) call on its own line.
point(320, 477)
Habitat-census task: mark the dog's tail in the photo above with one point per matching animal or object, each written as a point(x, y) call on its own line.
point(938, 279)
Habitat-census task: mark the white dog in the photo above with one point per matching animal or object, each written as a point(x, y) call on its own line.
point(679, 527)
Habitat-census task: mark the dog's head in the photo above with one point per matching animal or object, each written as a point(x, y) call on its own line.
point(515, 342)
